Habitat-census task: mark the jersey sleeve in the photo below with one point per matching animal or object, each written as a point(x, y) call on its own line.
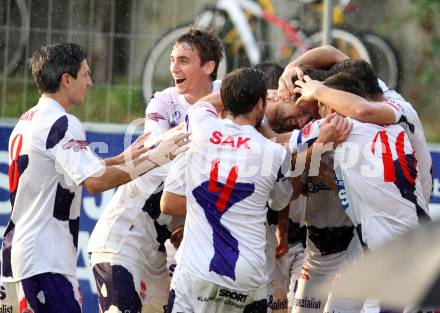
point(397, 109)
point(66, 144)
point(156, 116)
point(175, 181)
point(282, 190)
point(305, 136)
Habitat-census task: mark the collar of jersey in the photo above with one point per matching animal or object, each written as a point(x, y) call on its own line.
point(230, 122)
point(50, 101)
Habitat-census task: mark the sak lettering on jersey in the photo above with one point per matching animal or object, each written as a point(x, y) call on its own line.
point(239, 142)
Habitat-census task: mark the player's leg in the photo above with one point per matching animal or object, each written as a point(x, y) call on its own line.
point(312, 290)
point(295, 258)
point(50, 293)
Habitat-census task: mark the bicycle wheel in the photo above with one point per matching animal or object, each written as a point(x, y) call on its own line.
point(383, 59)
point(14, 33)
point(345, 41)
point(156, 74)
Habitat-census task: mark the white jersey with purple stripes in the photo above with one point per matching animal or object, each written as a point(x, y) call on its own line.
point(410, 121)
point(231, 173)
point(49, 158)
point(377, 179)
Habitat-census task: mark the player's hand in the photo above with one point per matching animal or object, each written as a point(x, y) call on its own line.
point(307, 88)
point(286, 88)
point(334, 129)
point(136, 149)
point(177, 236)
point(173, 142)
point(282, 244)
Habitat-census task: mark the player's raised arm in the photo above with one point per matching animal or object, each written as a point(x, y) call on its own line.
point(320, 57)
point(345, 103)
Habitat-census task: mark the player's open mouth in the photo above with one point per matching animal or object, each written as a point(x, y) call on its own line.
point(180, 81)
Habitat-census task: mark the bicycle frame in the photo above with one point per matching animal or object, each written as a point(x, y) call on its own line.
point(236, 11)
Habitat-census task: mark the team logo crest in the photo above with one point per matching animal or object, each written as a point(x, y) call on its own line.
point(76, 145)
point(155, 117)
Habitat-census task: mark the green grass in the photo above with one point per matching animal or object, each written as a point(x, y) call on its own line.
point(118, 104)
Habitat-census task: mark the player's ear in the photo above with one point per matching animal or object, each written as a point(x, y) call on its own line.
point(261, 105)
point(209, 67)
point(66, 80)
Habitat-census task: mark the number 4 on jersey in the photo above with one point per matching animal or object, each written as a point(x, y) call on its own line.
point(216, 199)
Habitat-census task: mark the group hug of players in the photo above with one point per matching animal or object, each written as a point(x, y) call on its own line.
point(288, 175)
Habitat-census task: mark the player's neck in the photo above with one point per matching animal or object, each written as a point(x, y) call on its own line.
point(242, 119)
point(201, 91)
point(62, 99)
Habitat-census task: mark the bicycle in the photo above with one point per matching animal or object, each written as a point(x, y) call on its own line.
point(382, 55)
point(14, 33)
point(242, 26)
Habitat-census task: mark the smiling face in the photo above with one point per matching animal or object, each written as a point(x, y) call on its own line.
point(290, 116)
point(186, 68)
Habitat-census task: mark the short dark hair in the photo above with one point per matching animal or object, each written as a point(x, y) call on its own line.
point(242, 89)
point(207, 44)
point(272, 71)
point(49, 63)
point(345, 82)
point(363, 72)
point(315, 73)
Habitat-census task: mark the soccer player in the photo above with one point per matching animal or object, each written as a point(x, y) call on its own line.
point(127, 250)
point(329, 232)
point(231, 172)
point(379, 109)
point(50, 161)
point(382, 161)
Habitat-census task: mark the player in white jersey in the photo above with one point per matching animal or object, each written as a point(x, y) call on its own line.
point(213, 272)
point(391, 200)
point(127, 245)
point(231, 172)
point(375, 112)
point(49, 162)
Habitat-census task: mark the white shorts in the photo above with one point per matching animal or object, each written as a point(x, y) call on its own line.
point(151, 288)
point(191, 294)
